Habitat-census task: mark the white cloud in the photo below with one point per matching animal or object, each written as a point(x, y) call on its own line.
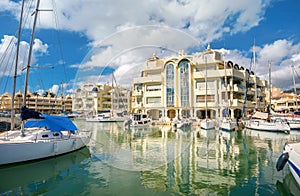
point(39, 47)
point(10, 5)
point(54, 89)
point(8, 54)
point(125, 38)
point(281, 54)
point(98, 19)
point(123, 51)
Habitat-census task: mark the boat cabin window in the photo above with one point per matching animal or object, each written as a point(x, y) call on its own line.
point(45, 136)
point(137, 117)
point(56, 134)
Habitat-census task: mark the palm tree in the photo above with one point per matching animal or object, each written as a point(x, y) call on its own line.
point(49, 93)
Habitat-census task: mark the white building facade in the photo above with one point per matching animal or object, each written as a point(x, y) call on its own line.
point(187, 85)
point(90, 99)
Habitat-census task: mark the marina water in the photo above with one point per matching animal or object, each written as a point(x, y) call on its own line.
point(159, 160)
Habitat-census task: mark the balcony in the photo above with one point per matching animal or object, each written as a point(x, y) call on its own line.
point(239, 88)
point(209, 105)
point(154, 105)
point(203, 91)
point(240, 103)
point(150, 79)
point(152, 93)
point(137, 93)
point(106, 96)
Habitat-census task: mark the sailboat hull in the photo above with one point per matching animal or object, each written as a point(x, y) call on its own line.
point(268, 126)
point(13, 151)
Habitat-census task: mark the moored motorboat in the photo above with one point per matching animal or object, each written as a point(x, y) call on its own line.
point(227, 124)
point(137, 120)
point(208, 124)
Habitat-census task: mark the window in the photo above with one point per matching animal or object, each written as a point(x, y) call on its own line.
point(201, 98)
point(200, 85)
point(170, 84)
point(153, 88)
point(153, 100)
point(184, 83)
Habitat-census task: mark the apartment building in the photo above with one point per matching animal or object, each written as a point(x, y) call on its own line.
point(284, 102)
point(45, 104)
point(90, 99)
point(187, 85)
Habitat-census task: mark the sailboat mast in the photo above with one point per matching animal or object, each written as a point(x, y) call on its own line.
point(63, 97)
point(255, 82)
point(295, 90)
point(16, 70)
point(112, 94)
point(30, 52)
point(270, 91)
point(206, 118)
point(226, 92)
point(29, 61)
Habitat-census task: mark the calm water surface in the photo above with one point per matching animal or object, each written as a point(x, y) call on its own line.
point(159, 161)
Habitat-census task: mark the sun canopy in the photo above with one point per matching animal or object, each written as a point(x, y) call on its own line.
point(53, 123)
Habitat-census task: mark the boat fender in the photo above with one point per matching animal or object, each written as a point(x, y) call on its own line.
point(284, 157)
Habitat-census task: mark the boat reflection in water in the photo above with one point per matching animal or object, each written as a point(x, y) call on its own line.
point(139, 148)
point(27, 178)
point(165, 161)
point(288, 186)
point(196, 161)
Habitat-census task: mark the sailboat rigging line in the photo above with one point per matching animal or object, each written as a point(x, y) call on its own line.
point(59, 38)
point(246, 89)
point(3, 57)
point(118, 93)
point(9, 62)
point(295, 71)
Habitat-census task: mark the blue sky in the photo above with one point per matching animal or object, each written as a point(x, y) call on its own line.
point(87, 40)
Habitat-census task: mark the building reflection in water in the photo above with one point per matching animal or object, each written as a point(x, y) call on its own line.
point(193, 161)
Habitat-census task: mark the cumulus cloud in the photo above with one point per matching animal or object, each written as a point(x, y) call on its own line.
point(124, 36)
point(54, 89)
point(125, 54)
point(98, 19)
point(281, 55)
point(8, 54)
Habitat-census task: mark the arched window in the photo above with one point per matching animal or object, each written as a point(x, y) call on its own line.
point(184, 77)
point(170, 85)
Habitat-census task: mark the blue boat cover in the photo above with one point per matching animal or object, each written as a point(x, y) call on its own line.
point(53, 123)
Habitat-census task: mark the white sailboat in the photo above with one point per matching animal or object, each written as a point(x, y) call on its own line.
point(207, 123)
point(227, 124)
point(41, 136)
point(262, 121)
point(292, 119)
